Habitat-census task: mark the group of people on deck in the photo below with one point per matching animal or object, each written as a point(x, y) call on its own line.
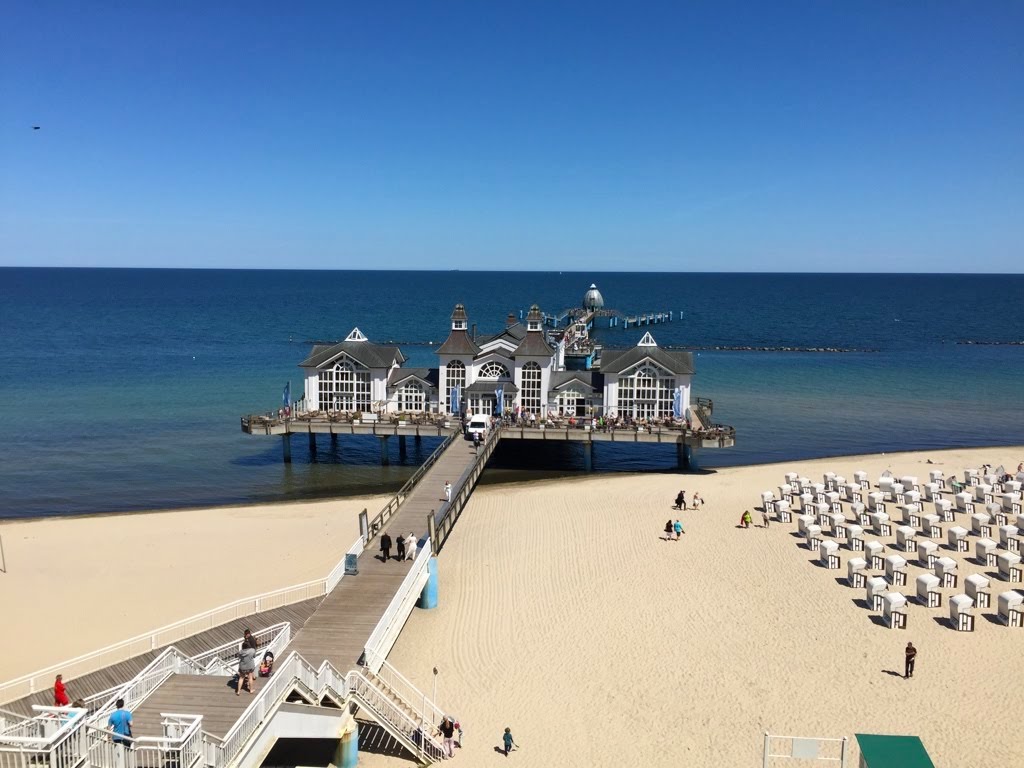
point(405, 548)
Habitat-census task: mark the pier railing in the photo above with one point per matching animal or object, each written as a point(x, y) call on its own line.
point(441, 526)
point(54, 738)
point(393, 619)
point(380, 520)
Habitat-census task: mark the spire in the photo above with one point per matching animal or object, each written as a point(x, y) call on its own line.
point(459, 318)
point(533, 319)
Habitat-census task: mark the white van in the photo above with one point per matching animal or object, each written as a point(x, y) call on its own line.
point(477, 426)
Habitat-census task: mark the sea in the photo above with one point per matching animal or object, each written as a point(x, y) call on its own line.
point(122, 389)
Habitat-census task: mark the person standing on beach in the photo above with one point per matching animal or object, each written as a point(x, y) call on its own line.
point(668, 530)
point(60, 694)
point(680, 500)
point(677, 528)
point(908, 662)
point(746, 520)
point(765, 518)
point(447, 730)
point(696, 501)
point(385, 547)
point(399, 548)
point(506, 737)
point(447, 491)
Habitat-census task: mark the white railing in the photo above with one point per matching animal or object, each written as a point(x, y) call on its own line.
point(180, 746)
point(406, 724)
point(386, 632)
point(172, 633)
point(134, 692)
point(53, 738)
point(426, 709)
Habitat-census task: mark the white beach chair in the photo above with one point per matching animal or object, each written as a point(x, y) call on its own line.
point(828, 554)
point(876, 501)
point(1009, 566)
point(880, 524)
point(909, 515)
point(806, 501)
point(971, 477)
point(906, 538)
point(830, 480)
point(928, 593)
point(1011, 609)
point(885, 485)
point(818, 489)
point(855, 537)
point(927, 553)
point(896, 570)
point(898, 493)
point(874, 553)
point(913, 498)
point(931, 525)
point(910, 483)
point(837, 525)
point(813, 537)
point(894, 610)
point(802, 522)
point(1010, 502)
point(859, 513)
point(978, 589)
point(875, 588)
point(832, 498)
point(960, 615)
point(783, 511)
point(936, 477)
point(767, 497)
point(964, 502)
point(793, 480)
point(855, 575)
point(985, 552)
point(821, 512)
point(931, 491)
point(944, 509)
point(853, 492)
point(1008, 538)
point(956, 537)
point(861, 478)
point(983, 493)
point(981, 524)
point(946, 570)
point(786, 491)
point(805, 485)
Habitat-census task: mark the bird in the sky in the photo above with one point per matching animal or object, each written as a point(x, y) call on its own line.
point(35, 127)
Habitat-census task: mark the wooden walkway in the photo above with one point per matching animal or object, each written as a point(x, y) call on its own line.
point(212, 696)
point(340, 627)
point(107, 678)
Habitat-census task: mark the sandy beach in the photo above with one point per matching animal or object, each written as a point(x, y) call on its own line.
point(566, 616)
point(74, 585)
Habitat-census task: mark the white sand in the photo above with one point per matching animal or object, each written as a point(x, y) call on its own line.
point(564, 616)
point(74, 585)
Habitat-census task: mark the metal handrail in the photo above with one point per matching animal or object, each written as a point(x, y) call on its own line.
point(441, 526)
point(380, 640)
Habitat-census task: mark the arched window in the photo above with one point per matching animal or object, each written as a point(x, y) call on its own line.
point(494, 370)
point(345, 387)
point(455, 376)
point(646, 393)
point(529, 393)
point(411, 397)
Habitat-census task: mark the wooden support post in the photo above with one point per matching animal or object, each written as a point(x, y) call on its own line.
point(401, 447)
point(312, 442)
point(682, 456)
point(588, 457)
point(286, 442)
point(334, 439)
point(384, 461)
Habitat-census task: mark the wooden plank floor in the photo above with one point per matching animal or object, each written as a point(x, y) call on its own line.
point(211, 696)
point(106, 678)
point(342, 624)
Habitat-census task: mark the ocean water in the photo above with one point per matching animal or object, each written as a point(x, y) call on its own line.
point(122, 389)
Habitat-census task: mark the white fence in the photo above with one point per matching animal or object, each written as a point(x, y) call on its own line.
point(803, 748)
point(181, 746)
point(53, 738)
point(386, 632)
point(172, 633)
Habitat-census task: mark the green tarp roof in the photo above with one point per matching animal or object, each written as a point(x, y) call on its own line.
point(879, 751)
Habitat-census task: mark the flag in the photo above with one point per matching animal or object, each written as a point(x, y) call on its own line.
point(677, 404)
point(454, 407)
point(286, 396)
point(499, 401)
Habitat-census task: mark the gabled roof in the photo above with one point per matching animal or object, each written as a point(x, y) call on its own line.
point(533, 345)
point(428, 376)
point(576, 379)
point(365, 352)
point(490, 386)
point(619, 360)
point(513, 334)
point(458, 343)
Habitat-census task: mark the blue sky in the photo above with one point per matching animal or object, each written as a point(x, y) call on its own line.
point(706, 136)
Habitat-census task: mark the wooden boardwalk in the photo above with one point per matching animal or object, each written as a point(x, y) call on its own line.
point(212, 696)
point(107, 678)
point(340, 627)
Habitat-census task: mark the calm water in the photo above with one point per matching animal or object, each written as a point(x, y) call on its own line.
point(122, 389)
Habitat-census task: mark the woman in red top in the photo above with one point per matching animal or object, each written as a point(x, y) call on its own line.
point(60, 695)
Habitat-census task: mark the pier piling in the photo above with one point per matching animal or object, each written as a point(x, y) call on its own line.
point(402, 453)
point(428, 597)
point(312, 443)
point(384, 460)
point(588, 457)
point(286, 444)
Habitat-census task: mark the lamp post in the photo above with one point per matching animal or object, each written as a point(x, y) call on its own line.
point(434, 695)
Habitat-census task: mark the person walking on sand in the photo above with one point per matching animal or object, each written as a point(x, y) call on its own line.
point(399, 548)
point(668, 530)
point(447, 730)
point(680, 499)
point(447, 491)
point(506, 738)
point(385, 547)
point(908, 662)
point(246, 668)
point(60, 694)
point(696, 501)
point(764, 517)
point(677, 528)
point(746, 520)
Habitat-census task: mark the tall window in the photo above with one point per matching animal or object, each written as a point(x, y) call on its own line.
point(646, 394)
point(494, 371)
point(411, 397)
point(345, 387)
point(529, 394)
point(571, 403)
point(455, 376)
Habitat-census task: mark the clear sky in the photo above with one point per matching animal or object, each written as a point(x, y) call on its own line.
point(711, 136)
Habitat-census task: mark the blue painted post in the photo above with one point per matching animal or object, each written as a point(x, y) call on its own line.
point(349, 749)
point(428, 597)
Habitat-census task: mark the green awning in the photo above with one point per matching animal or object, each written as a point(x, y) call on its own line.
point(877, 751)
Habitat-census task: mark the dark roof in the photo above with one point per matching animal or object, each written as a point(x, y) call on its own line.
point(619, 360)
point(369, 354)
point(514, 333)
point(489, 386)
point(533, 344)
point(458, 343)
point(428, 375)
point(589, 379)
point(459, 313)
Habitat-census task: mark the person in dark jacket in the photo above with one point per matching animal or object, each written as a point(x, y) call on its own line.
point(385, 547)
